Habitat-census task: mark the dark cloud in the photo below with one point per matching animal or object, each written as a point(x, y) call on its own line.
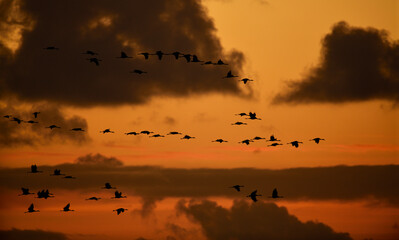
point(65, 76)
point(14, 134)
point(357, 64)
point(254, 221)
point(99, 160)
point(152, 183)
point(17, 234)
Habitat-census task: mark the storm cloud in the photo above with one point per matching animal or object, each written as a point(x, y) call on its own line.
point(66, 76)
point(254, 221)
point(357, 64)
point(34, 134)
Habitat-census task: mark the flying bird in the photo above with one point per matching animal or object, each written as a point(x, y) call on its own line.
point(35, 114)
point(94, 60)
point(70, 177)
point(132, 133)
point(258, 138)
point(124, 55)
point(146, 132)
point(88, 52)
point(67, 208)
point(230, 75)
point(44, 194)
point(187, 57)
point(272, 139)
point(238, 123)
point(219, 140)
point(106, 131)
point(241, 114)
point(145, 54)
point(31, 209)
point(253, 195)
point(108, 186)
point(77, 129)
point(252, 116)
point(157, 135)
point(207, 63)
point(57, 172)
point(246, 141)
point(274, 144)
point(138, 71)
point(174, 133)
point(317, 140)
point(159, 54)
point(7, 116)
point(33, 169)
point(25, 191)
point(245, 80)
point(220, 62)
point(187, 137)
point(51, 48)
point(31, 122)
point(237, 187)
point(275, 194)
point(120, 210)
point(118, 195)
point(295, 143)
point(93, 198)
point(17, 120)
point(195, 59)
point(53, 126)
point(176, 54)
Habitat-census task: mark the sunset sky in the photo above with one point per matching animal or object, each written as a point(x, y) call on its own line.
point(327, 69)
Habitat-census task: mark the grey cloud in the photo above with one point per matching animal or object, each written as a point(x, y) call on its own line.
point(357, 64)
point(99, 160)
point(65, 76)
point(254, 221)
point(14, 134)
point(18, 234)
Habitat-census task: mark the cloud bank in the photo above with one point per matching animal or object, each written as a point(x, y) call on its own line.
point(357, 64)
point(17, 234)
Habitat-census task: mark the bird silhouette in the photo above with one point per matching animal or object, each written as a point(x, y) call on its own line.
point(31, 122)
point(108, 186)
point(44, 194)
point(230, 75)
point(159, 54)
point(274, 144)
point(295, 143)
point(53, 126)
point(77, 129)
point(25, 191)
point(187, 137)
point(33, 169)
point(145, 54)
point(246, 141)
point(275, 194)
point(35, 114)
point(120, 210)
point(94, 60)
point(237, 187)
point(124, 55)
point(219, 140)
point(132, 133)
point(118, 195)
point(51, 48)
point(14, 119)
point(253, 195)
point(67, 208)
point(138, 71)
point(93, 198)
point(146, 132)
point(70, 177)
point(7, 116)
point(220, 62)
point(238, 123)
point(31, 209)
point(258, 138)
point(252, 116)
point(88, 52)
point(272, 139)
point(187, 57)
point(195, 59)
point(245, 80)
point(106, 131)
point(157, 135)
point(174, 133)
point(57, 172)
point(241, 114)
point(317, 140)
point(207, 63)
point(176, 54)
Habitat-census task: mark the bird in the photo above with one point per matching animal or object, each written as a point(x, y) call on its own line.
point(258, 138)
point(51, 48)
point(219, 140)
point(238, 123)
point(157, 135)
point(118, 195)
point(33, 169)
point(275, 194)
point(174, 133)
point(146, 132)
point(195, 59)
point(242, 114)
point(253, 195)
point(106, 131)
point(57, 172)
point(108, 186)
point(52, 127)
point(31, 122)
point(274, 144)
point(77, 129)
point(252, 116)
point(67, 208)
point(246, 141)
point(31, 209)
point(120, 210)
point(272, 139)
point(94, 60)
point(207, 63)
point(138, 71)
point(7, 116)
point(187, 137)
point(25, 191)
point(93, 198)
point(220, 62)
point(176, 54)
point(317, 140)
point(229, 75)
point(145, 54)
point(187, 57)
point(245, 80)
point(70, 177)
point(35, 114)
point(44, 194)
point(295, 143)
point(159, 54)
point(237, 187)
point(132, 133)
point(124, 55)
point(17, 120)
point(88, 52)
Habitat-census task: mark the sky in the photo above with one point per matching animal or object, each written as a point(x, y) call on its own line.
point(326, 69)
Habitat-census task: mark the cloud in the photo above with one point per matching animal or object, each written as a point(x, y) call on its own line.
point(99, 160)
point(17, 234)
point(65, 76)
point(357, 64)
point(254, 221)
point(14, 134)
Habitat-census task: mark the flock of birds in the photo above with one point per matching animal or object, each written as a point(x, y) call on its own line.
point(45, 194)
